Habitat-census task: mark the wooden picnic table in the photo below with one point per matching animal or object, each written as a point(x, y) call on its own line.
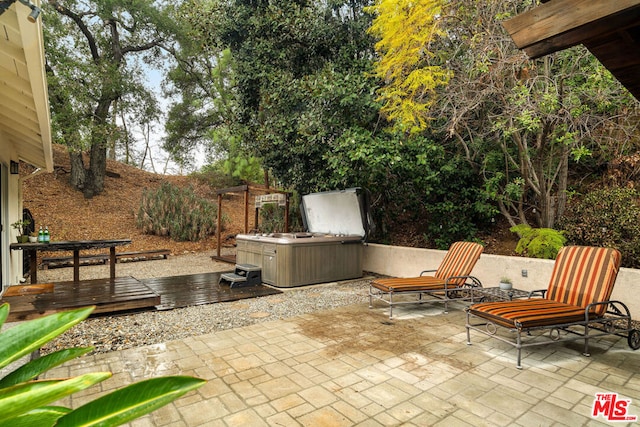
point(70, 245)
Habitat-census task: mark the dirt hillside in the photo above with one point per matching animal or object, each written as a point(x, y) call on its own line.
point(111, 215)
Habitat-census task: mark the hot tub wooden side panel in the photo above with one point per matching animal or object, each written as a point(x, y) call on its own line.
point(291, 264)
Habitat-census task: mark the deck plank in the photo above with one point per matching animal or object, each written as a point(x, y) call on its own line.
point(128, 293)
point(122, 293)
point(203, 288)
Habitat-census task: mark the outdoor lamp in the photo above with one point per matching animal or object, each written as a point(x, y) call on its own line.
point(13, 167)
point(35, 10)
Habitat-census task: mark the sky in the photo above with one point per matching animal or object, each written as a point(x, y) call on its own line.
point(153, 78)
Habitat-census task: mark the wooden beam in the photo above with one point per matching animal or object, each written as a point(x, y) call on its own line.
point(560, 24)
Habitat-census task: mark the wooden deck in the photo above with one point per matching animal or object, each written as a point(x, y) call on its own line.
point(196, 289)
point(125, 294)
point(120, 294)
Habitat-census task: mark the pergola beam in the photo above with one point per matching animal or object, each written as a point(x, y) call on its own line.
point(560, 24)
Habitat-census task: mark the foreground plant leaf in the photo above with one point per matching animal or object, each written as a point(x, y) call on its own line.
point(33, 368)
point(41, 417)
point(130, 402)
point(22, 398)
point(4, 312)
point(27, 337)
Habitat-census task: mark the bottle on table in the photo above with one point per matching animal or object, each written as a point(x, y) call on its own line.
point(47, 236)
point(40, 235)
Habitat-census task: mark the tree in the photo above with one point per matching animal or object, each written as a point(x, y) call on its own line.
point(406, 29)
point(202, 85)
point(275, 83)
point(525, 125)
point(92, 50)
point(519, 123)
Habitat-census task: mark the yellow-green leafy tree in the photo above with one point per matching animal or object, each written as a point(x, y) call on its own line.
point(405, 29)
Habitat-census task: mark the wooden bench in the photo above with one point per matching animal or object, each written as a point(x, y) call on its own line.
point(67, 261)
point(143, 255)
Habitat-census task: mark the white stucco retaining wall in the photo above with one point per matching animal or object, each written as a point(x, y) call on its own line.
point(400, 261)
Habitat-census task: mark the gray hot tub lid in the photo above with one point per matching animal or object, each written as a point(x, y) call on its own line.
point(339, 212)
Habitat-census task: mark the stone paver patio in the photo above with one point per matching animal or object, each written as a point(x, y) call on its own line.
point(353, 367)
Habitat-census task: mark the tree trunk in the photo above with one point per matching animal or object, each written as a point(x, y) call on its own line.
point(563, 180)
point(96, 172)
point(98, 154)
point(78, 172)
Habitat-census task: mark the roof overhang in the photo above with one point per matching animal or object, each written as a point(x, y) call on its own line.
point(25, 126)
point(610, 29)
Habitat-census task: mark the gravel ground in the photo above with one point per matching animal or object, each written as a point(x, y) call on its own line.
point(110, 333)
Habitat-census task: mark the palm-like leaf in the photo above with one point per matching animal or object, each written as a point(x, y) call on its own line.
point(4, 312)
point(22, 398)
point(44, 416)
point(36, 367)
point(29, 336)
point(130, 402)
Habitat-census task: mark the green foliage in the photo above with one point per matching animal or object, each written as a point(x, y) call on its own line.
point(412, 179)
point(247, 169)
point(21, 226)
point(607, 218)
point(538, 242)
point(215, 176)
point(270, 84)
point(24, 399)
point(524, 124)
point(176, 212)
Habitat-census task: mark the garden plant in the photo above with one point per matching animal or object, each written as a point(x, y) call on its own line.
point(26, 400)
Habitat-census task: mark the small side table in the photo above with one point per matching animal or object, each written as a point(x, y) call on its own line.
point(497, 294)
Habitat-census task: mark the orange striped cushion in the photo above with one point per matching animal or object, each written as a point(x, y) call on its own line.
point(422, 283)
point(528, 313)
point(583, 275)
point(459, 261)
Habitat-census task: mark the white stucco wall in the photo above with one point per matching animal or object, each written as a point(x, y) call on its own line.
point(10, 211)
point(402, 261)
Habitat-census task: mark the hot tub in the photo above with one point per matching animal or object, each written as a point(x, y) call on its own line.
point(331, 249)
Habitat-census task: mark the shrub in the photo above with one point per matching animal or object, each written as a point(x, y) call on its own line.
point(176, 212)
point(606, 218)
point(25, 400)
point(538, 242)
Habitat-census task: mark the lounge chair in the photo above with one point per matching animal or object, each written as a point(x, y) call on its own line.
point(575, 306)
point(450, 282)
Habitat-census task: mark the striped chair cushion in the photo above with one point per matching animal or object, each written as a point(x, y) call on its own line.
point(581, 276)
point(528, 313)
point(421, 283)
point(459, 261)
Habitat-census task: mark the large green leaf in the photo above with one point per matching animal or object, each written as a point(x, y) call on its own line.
point(4, 312)
point(36, 367)
point(130, 402)
point(22, 398)
point(41, 417)
point(27, 337)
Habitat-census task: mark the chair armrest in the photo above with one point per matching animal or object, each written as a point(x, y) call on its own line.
point(538, 293)
point(475, 282)
point(427, 271)
point(615, 308)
